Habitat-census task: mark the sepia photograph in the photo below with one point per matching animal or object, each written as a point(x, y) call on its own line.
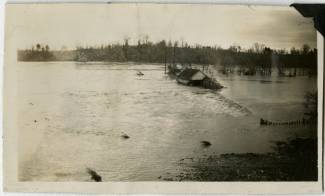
point(162, 93)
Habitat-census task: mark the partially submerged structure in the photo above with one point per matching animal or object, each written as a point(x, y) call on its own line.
point(195, 77)
point(192, 77)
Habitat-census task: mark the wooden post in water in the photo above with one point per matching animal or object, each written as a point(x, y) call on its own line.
point(165, 68)
point(165, 59)
point(174, 56)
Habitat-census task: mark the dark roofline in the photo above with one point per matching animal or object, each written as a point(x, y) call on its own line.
point(188, 73)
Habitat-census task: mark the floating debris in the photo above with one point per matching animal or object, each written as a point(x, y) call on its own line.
point(139, 73)
point(190, 158)
point(125, 136)
point(206, 143)
point(94, 175)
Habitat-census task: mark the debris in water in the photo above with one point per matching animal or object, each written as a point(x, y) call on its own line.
point(94, 175)
point(206, 143)
point(125, 136)
point(190, 158)
point(140, 73)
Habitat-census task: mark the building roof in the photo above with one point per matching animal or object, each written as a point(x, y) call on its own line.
point(187, 74)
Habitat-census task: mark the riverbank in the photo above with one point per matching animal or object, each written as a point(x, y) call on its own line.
point(295, 160)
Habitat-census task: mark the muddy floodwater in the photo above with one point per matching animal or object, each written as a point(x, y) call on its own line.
point(75, 116)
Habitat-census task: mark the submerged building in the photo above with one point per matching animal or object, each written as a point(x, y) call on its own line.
point(195, 77)
point(192, 77)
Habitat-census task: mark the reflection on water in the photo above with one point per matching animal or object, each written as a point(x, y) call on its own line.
point(73, 116)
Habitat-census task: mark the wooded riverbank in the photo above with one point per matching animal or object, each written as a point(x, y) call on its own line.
point(259, 55)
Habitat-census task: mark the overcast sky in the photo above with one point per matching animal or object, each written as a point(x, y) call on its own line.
point(95, 24)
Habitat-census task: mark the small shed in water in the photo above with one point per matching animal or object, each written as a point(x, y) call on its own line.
point(193, 77)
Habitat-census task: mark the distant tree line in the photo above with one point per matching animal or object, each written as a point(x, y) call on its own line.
point(180, 52)
point(174, 52)
point(36, 53)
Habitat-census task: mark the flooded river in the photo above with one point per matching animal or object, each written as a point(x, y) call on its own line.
point(72, 117)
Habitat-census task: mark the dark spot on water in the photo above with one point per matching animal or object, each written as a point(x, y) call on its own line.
point(94, 176)
point(205, 143)
point(125, 136)
point(189, 158)
point(35, 121)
